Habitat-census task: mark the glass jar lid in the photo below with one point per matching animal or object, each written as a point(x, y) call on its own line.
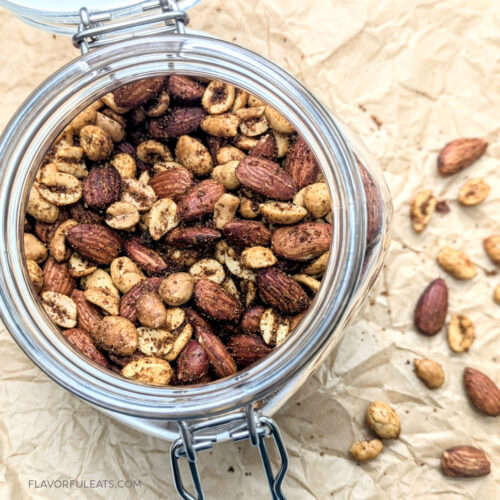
point(63, 18)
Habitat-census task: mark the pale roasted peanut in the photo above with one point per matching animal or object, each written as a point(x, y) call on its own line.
point(152, 152)
point(58, 248)
point(254, 126)
point(254, 101)
point(383, 420)
point(225, 209)
point(250, 113)
point(461, 333)
point(122, 215)
point(299, 198)
point(234, 265)
point(60, 189)
point(225, 125)
point(46, 173)
point(159, 106)
point(86, 117)
point(366, 450)
point(150, 310)
point(125, 164)
point(177, 289)
point(258, 257)
point(309, 281)
point(282, 143)
point(249, 292)
point(422, 208)
point(249, 209)
point(230, 286)
point(240, 100)
point(218, 97)
point(456, 263)
point(317, 199)
point(161, 166)
point(194, 155)
point(221, 250)
point(149, 370)
point(96, 142)
point(229, 153)
point(273, 327)
point(113, 128)
point(473, 192)
point(174, 318)
point(60, 309)
point(104, 299)
point(208, 269)
point(35, 273)
point(282, 212)
point(145, 177)
point(34, 249)
point(162, 218)
point(225, 174)
point(430, 372)
point(183, 258)
point(245, 143)
point(154, 341)
point(278, 122)
point(139, 194)
point(496, 294)
point(100, 279)
point(116, 335)
point(69, 159)
point(125, 273)
point(41, 209)
point(492, 248)
point(317, 266)
point(109, 101)
point(79, 266)
point(181, 339)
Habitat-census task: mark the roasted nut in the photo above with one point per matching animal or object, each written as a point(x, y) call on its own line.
point(245, 143)
point(34, 249)
point(247, 349)
point(194, 155)
point(60, 309)
point(174, 318)
point(200, 200)
point(258, 257)
point(234, 265)
point(78, 266)
point(218, 97)
point(109, 100)
point(97, 243)
point(60, 188)
point(482, 392)
point(154, 341)
point(460, 154)
point(113, 128)
point(69, 159)
point(56, 277)
point(122, 215)
point(103, 298)
point(148, 259)
point(226, 175)
point(432, 307)
point(39, 208)
point(248, 292)
point(125, 164)
point(153, 152)
point(102, 187)
point(265, 148)
point(464, 461)
point(473, 192)
point(128, 302)
point(492, 248)
point(460, 333)
point(177, 289)
point(192, 364)
point(158, 106)
point(253, 127)
point(240, 100)
point(116, 335)
point(88, 315)
point(225, 209)
point(282, 143)
point(230, 286)
point(225, 125)
point(249, 209)
point(162, 218)
point(456, 263)
point(125, 273)
point(221, 361)
point(207, 269)
point(150, 310)
point(58, 248)
point(83, 342)
point(179, 122)
point(250, 323)
point(35, 274)
point(100, 279)
point(429, 372)
point(317, 199)
point(185, 89)
point(192, 237)
point(309, 281)
point(149, 370)
point(282, 212)
point(301, 163)
point(317, 266)
point(172, 183)
point(273, 327)
point(422, 208)
point(86, 117)
point(278, 122)
point(139, 194)
point(383, 420)
point(228, 154)
point(96, 143)
point(496, 294)
point(137, 92)
point(214, 301)
point(366, 450)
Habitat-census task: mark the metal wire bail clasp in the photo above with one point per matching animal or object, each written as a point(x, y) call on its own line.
point(158, 16)
point(252, 426)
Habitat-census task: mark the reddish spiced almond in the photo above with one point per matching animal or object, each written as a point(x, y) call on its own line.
point(84, 215)
point(281, 292)
point(56, 277)
point(266, 177)
point(192, 363)
point(94, 242)
point(214, 301)
point(482, 392)
point(138, 92)
point(102, 187)
point(122, 361)
point(196, 321)
point(247, 349)
point(45, 231)
point(301, 164)
point(432, 307)
point(200, 200)
point(185, 89)
point(464, 461)
point(373, 205)
point(303, 241)
point(82, 341)
point(220, 359)
point(172, 183)
point(181, 121)
point(265, 148)
point(150, 260)
point(460, 154)
point(247, 233)
point(250, 322)
point(191, 236)
point(88, 315)
point(128, 302)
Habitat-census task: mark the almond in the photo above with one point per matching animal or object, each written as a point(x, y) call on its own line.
point(482, 392)
point(460, 154)
point(128, 302)
point(88, 314)
point(94, 242)
point(281, 292)
point(148, 259)
point(303, 241)
point(250, 322)
point(56, 277)
point(192, 363)
point(221, 361)
point(83, 215)
point(172, 183)
point(83, 342)
point(374, 205)
point(182, 121)
point(245, 233)
point(265, 148)
point(266, 177)
point(301, 164)
point(191, 237)
point(464, 461)
point(214, 301)
point(200, 200)
point(247, 349)
point(432, 307)
point(137, 92)
point(102, 187)
point(185, 89)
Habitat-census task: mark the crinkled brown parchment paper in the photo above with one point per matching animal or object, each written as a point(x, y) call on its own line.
point(427, 71)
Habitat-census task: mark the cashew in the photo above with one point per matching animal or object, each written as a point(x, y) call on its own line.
point(35, 274)
point(308, 281)
point(317, 266)
point(456, 263)
point(79, 267)
point(278, 122)
point(244, 142)
point(273, 327)
point(109, 100)
point(240, 100)
point(383, 420)
point(58, 248)
point(225, 209)
point(250, 113)
point(461, 333)
point(34, 249)
point(60, 309)
point(113, 128)
point(258, 257)
point(86, 117)
point(218, 97)
point(254, 126)
point(207, 269)
point(159, 105)
point(96, 142)
point(153, 152)
point(226, 175)
point(122, 215)
point(193, 155)
point(125, 164)
point(162, 218)
point(282, 212)
point(282, 143)
point(422, 208)
point(149, 370)
point(177, 289)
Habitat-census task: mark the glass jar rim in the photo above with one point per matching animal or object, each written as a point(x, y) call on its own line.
point(67, 92)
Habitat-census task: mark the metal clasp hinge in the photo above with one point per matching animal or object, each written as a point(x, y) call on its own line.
point(98, 29)
point(252, 426)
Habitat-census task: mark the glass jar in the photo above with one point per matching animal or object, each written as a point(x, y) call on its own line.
point(239, 406)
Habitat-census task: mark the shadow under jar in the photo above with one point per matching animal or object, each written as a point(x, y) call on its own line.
point(239, 406)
